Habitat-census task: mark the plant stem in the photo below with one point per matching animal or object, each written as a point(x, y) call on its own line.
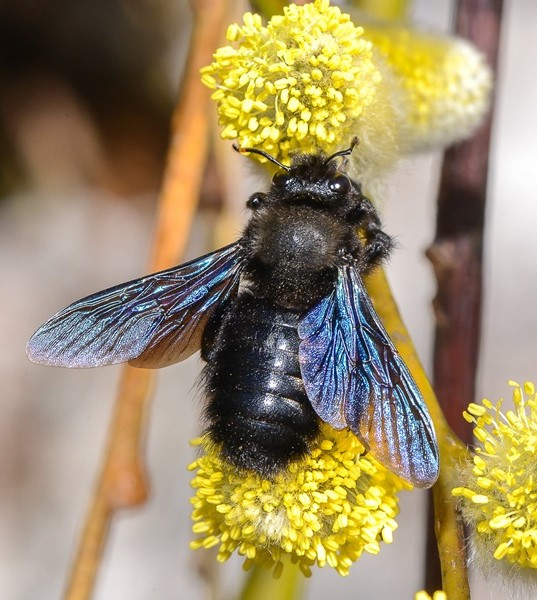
point(456, 254)
point(261, 584)
point(452, 450)
point(387, 10)
point(122, 482)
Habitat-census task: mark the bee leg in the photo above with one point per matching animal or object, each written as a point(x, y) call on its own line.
point(377, 248)
point(377, 244)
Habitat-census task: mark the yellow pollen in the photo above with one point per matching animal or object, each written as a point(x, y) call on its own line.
point(505, 518)
point(325, 510)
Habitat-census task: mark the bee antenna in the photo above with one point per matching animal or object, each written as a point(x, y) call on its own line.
point(242, 150)
point(354, 142)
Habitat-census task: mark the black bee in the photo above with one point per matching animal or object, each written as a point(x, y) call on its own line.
point(284, 323)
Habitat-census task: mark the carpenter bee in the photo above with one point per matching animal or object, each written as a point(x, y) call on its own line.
point(284, 323)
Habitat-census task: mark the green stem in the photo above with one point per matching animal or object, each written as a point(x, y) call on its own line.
point(448, 527)
point(268, 8)
point(385, 10)
point(262, 585)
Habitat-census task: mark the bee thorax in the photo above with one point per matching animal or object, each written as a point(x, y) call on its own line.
point(294, 254)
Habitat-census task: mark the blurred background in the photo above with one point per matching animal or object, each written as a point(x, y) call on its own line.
point(86, 90)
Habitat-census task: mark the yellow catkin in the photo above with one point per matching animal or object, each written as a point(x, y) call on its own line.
point(312, 79)
point(326, 510)
point(499, 493)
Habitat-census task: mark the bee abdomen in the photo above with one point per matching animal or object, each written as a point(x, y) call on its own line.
point(257, 409)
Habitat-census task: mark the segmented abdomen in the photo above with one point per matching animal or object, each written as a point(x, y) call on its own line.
point(257, 407)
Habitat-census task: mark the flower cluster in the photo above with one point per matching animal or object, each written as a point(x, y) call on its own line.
point(305, 82)
point(499, 491)
point(326, 510)
point(311, 80)
point(446, 82)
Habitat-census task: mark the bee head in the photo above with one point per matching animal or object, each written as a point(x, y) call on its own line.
point(311, 179)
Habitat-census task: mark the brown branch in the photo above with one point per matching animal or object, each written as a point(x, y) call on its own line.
point(456, 253)
point(456, 256)
point(123, 482)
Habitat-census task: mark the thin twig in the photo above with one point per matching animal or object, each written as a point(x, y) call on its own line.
point(122, 482)
point(448, 527)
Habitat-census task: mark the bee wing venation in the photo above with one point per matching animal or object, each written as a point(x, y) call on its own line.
point(354, 376)
point(326, 359)
point(153, 321)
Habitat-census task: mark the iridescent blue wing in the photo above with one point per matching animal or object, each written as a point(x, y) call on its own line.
point(150, 322)
point(354, 377)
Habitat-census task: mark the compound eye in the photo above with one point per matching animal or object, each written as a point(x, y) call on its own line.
point(340, 184)
point(256, 201)
point(283, 180)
